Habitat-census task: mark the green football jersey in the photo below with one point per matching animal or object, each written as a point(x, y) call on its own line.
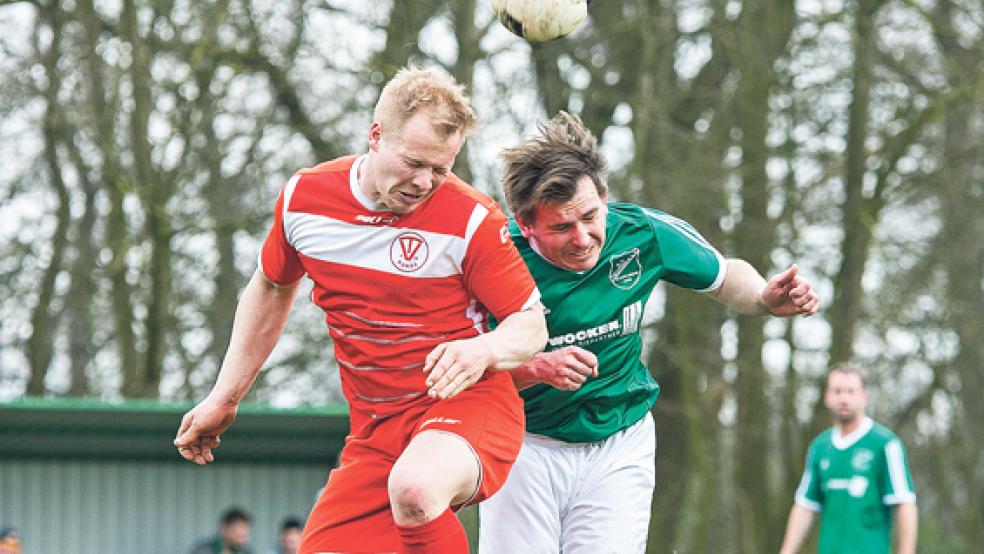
point(853, 481)
point(601, 310)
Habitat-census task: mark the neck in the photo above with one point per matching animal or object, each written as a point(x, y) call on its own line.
point(847, 427)
point(363, 177)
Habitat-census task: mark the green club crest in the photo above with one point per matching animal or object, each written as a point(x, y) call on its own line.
point(625, 269)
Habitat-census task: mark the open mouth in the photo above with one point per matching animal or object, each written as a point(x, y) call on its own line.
point(410, 199)
point(583, 254)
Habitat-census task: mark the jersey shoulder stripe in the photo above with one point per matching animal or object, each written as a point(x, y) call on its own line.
point(677, 224)
point(662, 221)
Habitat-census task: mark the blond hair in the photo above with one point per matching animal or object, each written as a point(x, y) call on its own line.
point(413, 89)
point(546, 169)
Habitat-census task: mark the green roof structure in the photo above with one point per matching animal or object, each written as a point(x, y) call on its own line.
point(87, 429)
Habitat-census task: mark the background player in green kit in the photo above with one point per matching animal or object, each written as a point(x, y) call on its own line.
point(585, 475)
point(856, 475)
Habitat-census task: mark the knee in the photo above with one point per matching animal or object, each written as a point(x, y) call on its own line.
point(412, 501)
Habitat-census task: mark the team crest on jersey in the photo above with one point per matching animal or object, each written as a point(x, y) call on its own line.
point(625, 269)
point(409, 251)
point(862, 459)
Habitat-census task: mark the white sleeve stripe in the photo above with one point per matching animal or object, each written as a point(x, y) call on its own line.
point(477, 216)
point(722, 273)
point(808, 504)
point(892, 499)
point(680, 225)
point(896, 469)
point(533, 299)
point(804, 485)
point(289, 192)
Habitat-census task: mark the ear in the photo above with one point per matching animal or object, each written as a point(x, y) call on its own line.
point(524, 228)
point(375, 135)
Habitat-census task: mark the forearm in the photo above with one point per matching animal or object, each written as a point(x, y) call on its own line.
point(800, 521)
point(907, 523)
point(517, 338)
point(527, 374)
point(742, 288)
point(260, 319)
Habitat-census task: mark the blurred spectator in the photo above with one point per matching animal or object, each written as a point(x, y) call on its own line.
point(290, 536)
point(233, 535)
point(10, 542)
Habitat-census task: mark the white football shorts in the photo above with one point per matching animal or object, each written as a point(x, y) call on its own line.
point(575, 498)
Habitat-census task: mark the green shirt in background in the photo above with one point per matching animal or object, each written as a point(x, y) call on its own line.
point(854, 480)
point(601, 310)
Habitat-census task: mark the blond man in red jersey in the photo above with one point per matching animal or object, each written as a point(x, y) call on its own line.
point(407, 262)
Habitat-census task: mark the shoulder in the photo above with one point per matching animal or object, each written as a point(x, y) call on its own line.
point(457, 193)
point(623, 213)
point(882, 434)
point(660, 221)
point(334, 172)
point(625, 217)
point(457, 208)
point(338, 165)
point(823, 440)
point(628, 222)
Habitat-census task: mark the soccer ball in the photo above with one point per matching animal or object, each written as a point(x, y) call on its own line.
point(541, 20)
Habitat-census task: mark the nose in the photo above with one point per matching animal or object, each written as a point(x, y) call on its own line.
point(424, 179)
point(581, 237)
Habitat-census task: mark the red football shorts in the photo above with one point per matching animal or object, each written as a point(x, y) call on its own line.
point(353, 515)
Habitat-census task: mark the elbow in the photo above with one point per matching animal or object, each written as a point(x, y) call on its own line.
point(539, 339)
point(539, 334)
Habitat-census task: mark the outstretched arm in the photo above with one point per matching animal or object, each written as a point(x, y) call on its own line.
point(800, 521)
point(260, 319)
point(747, 292)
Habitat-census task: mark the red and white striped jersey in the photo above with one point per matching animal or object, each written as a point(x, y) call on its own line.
point(394, 286)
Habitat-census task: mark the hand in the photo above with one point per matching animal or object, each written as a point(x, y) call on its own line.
point(456, 365)
point(200, 430)
point(565, 369)
point(787, 294)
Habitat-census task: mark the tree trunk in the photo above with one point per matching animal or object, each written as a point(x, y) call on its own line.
point(764, 30)
point(963, 260)
point(40, 344)
point(857, 220)
point(117, 186)
point(463, 70)
point(155, 195)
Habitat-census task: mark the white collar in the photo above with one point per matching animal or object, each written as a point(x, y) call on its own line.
point(357, 192)
point(842, 442)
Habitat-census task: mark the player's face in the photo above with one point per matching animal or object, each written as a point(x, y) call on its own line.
point(570, 234)
point(845, 397)
point(406, 167)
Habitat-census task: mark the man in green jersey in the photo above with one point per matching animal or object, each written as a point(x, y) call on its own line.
point(856, 475)
point(584, 478)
